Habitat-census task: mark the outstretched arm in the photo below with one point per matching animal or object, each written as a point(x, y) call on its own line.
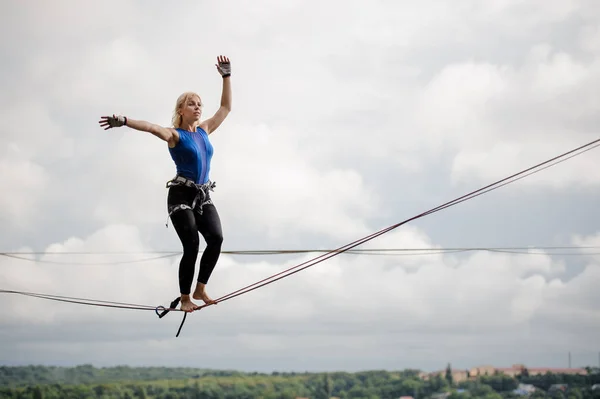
point(211, 124)
point(169, 135)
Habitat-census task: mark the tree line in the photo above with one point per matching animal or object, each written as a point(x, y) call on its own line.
point(88, 382)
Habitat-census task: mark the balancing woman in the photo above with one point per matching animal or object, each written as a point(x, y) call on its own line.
point(189, 204)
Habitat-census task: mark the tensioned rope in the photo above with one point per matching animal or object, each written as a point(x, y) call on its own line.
point(84, 301)
point(302, 266)
point(483, 190)
point(517, 250)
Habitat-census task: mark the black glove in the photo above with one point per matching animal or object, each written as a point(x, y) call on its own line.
point(223, 66)
point(108, 122)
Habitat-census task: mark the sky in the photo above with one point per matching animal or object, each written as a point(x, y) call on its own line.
point(347, 117)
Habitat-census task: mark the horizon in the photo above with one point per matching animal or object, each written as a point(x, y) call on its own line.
point(315, 371)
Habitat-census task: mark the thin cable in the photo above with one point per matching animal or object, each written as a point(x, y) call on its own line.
point(9, 255)
point(544, 253)
point(364, 251)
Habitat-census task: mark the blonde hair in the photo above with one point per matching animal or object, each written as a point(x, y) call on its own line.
point(176, 119)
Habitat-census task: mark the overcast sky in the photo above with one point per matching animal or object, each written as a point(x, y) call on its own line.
point(348, 117)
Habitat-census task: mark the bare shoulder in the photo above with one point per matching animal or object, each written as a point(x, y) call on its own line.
point(173, 137)
point(211, 124)
point(204, 125)
point(173, 131)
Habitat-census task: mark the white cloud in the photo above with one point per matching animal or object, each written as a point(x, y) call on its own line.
point(519, 18)
point(19, 206)
point(589, 38)
point(495, 117)
point(44, 138)
point(24, 157)
point(270, 180)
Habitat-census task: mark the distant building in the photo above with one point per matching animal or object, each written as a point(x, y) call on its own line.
point(514, 371)
point(518, 369)
point(457, 375)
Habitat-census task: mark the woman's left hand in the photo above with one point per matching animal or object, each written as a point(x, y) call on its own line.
point(223, 66)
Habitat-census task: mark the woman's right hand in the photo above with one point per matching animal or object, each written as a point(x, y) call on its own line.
point(108, 122)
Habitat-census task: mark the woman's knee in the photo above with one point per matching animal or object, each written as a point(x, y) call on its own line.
point(215, 239)
point(191, 243)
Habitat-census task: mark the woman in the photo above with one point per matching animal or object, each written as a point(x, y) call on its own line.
point(189, 204)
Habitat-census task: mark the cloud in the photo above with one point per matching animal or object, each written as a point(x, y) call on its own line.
point(24, 160)
point(20, 208)
point(494, 116)
point(269, 180)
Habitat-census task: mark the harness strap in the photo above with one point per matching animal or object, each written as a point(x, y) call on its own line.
point(199, 200)
point(173, 305)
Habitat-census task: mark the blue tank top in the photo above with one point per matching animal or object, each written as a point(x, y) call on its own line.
point(192, 155)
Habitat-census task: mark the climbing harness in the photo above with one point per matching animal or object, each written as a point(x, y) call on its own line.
point(202, 193)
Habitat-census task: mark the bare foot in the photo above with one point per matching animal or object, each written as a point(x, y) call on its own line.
point(187, 305)
point(200, 293)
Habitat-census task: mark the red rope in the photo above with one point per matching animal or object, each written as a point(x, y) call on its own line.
point(351, 245)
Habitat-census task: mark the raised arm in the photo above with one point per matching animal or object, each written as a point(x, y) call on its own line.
point(211, 124)
point(169, 135)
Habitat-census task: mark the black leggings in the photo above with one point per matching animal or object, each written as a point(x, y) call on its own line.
point(187, 224)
